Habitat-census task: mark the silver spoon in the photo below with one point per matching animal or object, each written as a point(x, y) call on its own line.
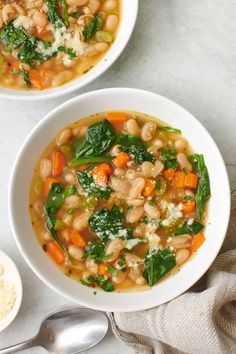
point(67, 332)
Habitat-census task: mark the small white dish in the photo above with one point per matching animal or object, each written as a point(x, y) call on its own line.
point(129, 12)
point(12, 275)
point(103, 101)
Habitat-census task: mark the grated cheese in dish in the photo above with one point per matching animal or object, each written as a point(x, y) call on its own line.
point(7, 295)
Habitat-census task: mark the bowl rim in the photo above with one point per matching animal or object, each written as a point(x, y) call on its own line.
point(76, 85)
point(19, 294)
point(135, 306)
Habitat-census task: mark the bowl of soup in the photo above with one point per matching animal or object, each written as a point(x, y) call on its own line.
point(114, 200)
point(50, 48)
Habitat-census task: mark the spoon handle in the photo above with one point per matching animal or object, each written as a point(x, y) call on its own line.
point(15, 348)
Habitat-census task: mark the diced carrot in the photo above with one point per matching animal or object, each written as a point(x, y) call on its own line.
point(102, 270)
point(149, 187)
point(189, 207)
point(197, 241)
point(58, 160)
point(117, 117)
point(169, 174)
point(103, 167)
point(48, 184)
point(121, 160)
point(56, 252)
point(191, 180)
point(15, 67)
point(179, 179)
point(83, 167)
point(101, 178)
point(35, 78)
point(77, 239)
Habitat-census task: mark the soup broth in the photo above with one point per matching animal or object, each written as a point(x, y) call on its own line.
point(117, 202)
point(44, 44)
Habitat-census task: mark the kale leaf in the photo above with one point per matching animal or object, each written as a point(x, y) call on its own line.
point(88, 183)
point(107, 223)
point(195, 227)
point(203, 189)
point(93, 26)
point(53, 14)
point(168, 155)
point(99, 138)
point(135, 147)
point(91, 159)
point(54, 202)
point(158, 264)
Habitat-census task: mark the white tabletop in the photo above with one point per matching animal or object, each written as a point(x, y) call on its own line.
point(184, 50)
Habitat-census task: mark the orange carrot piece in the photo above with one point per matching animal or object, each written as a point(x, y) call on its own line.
point(121, 160)
point(149, 187)
point(189, 207)
point(101, 178)
point(169, 174)
point(179, 179)
point(58, 162)
point(35, 79)
point(197, 241)
point(83, 167)
point(55, 252)
point(191, 180)
point(102, 269)
point(77, 239)
point(15, 67)
point(117, 117)
point(103, 167)
point(48, 184)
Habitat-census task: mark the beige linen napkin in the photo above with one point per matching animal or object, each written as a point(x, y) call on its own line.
point(201, 321)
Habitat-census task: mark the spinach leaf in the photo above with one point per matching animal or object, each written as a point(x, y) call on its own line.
point(169, 157)
point(25, 76)
point(203, 189)
point(88, 183)
point(107, 223)
point(158, 264)
point(65, 12)
point(54, 202)
point(94, 26)
point(95, 250)
point(195, 227)
point(107, 285)
point(91, 281)
point(69, 51)
point(99, 138)
point(135, 147)
point(53, 14)
point(91, 159)
point(75, 14)
point(113, 271)
point(170, 129)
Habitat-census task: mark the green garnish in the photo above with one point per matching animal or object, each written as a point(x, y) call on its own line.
point(135, 147)
point(69, 51)
point(75, 14)
point(88, 183)
point(113, 271)
point(169, 157)
point(53, 14)
point(195, 227)
point(25, 76)
point(170, 129)
point(188, 197)
point(185, 170)
point(94, 26)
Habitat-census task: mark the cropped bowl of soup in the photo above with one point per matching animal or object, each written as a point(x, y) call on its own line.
point(115, 204)
point(49, 48)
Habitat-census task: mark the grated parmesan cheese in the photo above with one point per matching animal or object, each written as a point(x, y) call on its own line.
point(7, 295)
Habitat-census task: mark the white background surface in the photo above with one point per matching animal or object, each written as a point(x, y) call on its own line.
point(182, 49)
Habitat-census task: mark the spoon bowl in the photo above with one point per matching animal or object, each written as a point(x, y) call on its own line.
point(67, 331)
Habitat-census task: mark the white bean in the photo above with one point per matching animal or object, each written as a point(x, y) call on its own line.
point(135, 202)
point(157, 169)
point(114, 248)
point(70, 178)
point(132, 127)
point(189, 193)
point(120, 277)
point(135, 214)
point(46, 236)
point(76, 2)
point(45, 168)
point(139, 231)
point(184, 163)
point(115, 150)
point(152, 210)
point(182, 241)
point(67, 219)
point(111, 23)
point(110, 5)
point(73, 201)
point(120, 185)
point(101, 47)
point(182, 255)
point(180, 144)
point(134, 273)
point(64, 136)
point(147, 168)
point(62, 77)
point(38, 207)
point(136, 188)
point(92, 266)
point(76, 252)
point(94, 5)
point(132, 259)
point(140, 281)
point(158, 143)
point(8, 12)
point(40, 19)
point(81, 221)
point(148, 131)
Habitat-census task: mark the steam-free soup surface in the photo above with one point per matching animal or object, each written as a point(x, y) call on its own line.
point(44, 44)
point(117, 200)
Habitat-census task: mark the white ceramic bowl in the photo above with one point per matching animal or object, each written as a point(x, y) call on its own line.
point(12, 275)
point(129, 13)
point(105, 100)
